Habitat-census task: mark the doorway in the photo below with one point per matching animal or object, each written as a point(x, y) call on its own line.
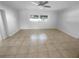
point(3, 25)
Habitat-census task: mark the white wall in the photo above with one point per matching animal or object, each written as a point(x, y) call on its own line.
point(26, 24)
point(12, 20)
point(69, 22)
point(65, 20)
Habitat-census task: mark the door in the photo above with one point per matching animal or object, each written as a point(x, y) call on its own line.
point(3, 25)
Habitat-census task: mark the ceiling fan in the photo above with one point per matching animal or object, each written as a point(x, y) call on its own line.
point(42, 4)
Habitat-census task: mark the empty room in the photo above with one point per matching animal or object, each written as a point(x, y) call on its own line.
point(39, 29)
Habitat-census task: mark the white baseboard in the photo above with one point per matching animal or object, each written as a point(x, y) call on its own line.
point(40, 28)
point(70, 34)
point(14, 32)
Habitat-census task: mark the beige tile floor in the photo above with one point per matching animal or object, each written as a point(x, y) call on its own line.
point(39, 44)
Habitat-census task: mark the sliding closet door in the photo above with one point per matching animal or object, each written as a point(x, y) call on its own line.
point(3, 28)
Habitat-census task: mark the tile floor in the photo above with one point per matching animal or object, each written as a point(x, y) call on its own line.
point(39, 44)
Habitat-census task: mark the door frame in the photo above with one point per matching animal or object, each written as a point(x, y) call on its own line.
point(4, 20)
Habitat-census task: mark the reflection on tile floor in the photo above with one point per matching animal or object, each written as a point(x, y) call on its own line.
point(39, 44)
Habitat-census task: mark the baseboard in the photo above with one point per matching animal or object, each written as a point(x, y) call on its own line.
point(40, 28)
point(14, 32)
point(70, 34)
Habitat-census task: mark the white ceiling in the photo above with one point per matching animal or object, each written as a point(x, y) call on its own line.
point(55, 5)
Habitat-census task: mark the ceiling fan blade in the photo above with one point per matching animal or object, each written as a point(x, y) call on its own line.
point(42, 3)
point(48, 6)
point(45, 2)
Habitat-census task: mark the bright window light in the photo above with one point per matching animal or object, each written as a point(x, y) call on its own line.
point(42, 37)
point(37, 18)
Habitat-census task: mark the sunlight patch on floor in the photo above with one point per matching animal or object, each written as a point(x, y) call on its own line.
point(38, 37)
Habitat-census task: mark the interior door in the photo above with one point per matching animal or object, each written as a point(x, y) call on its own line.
point(3, 28)
point(0, 36)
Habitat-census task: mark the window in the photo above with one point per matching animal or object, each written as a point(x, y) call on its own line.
point(38, 18)
point(44, 17)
